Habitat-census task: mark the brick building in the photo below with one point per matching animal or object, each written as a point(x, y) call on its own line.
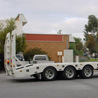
point(50, 43)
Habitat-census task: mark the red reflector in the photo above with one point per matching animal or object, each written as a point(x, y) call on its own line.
point(11, 65)
point(8, 62)
point(11, 61)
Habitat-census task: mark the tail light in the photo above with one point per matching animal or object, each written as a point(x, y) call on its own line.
point(8, 61)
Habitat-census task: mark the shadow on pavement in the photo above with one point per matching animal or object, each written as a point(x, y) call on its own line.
point(26, 80)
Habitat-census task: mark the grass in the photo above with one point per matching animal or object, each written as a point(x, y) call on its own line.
point(93, 60)
point(90, 60)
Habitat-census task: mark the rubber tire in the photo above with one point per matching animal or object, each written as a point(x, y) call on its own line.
point(65, 76)
point(82, 74)
point(49, 68)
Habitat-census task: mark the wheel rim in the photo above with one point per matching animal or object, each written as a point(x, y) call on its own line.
point(88, 72)
point(69, 73)
point(49, 74)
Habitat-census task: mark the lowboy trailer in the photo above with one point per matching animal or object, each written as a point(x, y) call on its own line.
point(45, 71)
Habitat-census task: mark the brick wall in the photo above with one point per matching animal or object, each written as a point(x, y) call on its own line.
point(51, 47)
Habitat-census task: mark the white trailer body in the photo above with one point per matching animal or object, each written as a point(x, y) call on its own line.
point(48, 71)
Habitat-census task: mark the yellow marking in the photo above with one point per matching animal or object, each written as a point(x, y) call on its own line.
point(5, 61)
point(57, 64)
point(13, 65)
point(20, 70)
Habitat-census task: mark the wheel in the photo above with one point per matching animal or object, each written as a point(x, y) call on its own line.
point(87, 72)
point(49, 74)
point(69, 73)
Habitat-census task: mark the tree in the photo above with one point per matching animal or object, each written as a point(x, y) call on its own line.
point(91, 44)
point(91, 33)
point(77, 46)
point(91, 27)
point(10, 26)
point(4, 30)
point(31, 52)
point(73, 47)
point(20, 44)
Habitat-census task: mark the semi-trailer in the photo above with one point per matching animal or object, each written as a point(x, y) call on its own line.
point(46, 71)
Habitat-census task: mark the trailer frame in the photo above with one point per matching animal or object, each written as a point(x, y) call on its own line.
point(46, 71)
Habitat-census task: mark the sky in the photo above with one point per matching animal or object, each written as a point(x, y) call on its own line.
point(50, 16)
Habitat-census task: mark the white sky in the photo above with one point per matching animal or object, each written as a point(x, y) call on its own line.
point(50, 16)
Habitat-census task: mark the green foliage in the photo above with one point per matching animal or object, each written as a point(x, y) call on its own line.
point(30, 53)
point(91, 34)
point(2, 41)
point(77, 46)
point(92, 25)
point(93, 60)
point(81, 52)
point(73, 47)
point(77, 40)
point(20, 40)
point(91, 43)
point(20, 44)
point(96, 47)
point(4, 30)
point(10, 26)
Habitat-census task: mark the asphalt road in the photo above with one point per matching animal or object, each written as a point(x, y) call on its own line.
point(30, 88)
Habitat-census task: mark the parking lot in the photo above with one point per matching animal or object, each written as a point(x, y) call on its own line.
point(31, 88)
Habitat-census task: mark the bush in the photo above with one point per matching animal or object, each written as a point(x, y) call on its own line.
point(31, 52)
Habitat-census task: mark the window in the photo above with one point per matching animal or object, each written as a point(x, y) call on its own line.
point(40, 58)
